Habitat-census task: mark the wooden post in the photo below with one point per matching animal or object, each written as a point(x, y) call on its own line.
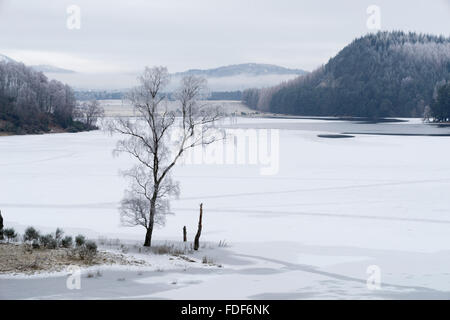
point(199, 230)
point(1, 226)
point(184, 234)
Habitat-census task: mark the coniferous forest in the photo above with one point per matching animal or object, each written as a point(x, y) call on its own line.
point(388, 74)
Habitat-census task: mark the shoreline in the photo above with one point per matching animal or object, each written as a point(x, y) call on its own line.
point(12, 134)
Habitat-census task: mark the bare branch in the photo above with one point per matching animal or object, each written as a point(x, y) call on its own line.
point(149, 139)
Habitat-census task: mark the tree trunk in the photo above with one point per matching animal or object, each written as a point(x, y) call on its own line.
point(148, 238)
point(199, 230)
point(184, 234)
point(148, 235)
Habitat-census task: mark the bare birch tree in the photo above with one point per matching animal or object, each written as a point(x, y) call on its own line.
point(150, 139)
point(89, 112)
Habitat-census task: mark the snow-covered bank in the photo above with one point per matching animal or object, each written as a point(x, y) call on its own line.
point(242, 276)
point(335, 207)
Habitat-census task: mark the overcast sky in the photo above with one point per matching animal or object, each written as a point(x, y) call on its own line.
point(184, 34)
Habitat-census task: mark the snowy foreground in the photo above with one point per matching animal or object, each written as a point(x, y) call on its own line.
point(333, 212)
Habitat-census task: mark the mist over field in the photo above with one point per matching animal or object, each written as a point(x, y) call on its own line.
point(124, 81)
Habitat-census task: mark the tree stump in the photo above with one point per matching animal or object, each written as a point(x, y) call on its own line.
point(1, 226)
point(199, 230)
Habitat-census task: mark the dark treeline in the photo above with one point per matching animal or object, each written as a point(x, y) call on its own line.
point(30, 103)
point(226, 95)
point(99, 95)
point(440, 108)
point(388, 74)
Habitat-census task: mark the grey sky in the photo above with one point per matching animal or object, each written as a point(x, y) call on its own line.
point(127, 35)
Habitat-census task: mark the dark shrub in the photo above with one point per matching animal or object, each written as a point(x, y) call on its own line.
point(59, 236)
point(67, 242)
point(48, 241)
point(88, 250)
point(31, 234)
point(10, 233)
point(77, 126)
point(80, 240)
point(91, 246)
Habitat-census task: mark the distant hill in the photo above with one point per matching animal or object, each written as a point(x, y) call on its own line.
point(223, 79)
point(40, 68)
point(388, 74)
point(50, 69)
point(253, 69)
point(232, 78)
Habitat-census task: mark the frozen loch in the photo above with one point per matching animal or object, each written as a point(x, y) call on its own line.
point(361, 217)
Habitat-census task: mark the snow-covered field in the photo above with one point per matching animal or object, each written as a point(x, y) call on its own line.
point(336, 210)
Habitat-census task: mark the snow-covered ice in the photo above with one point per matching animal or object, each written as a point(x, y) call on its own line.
point(335, 207)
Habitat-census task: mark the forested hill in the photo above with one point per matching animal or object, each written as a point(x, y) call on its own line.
point(379, 75)
point(30, 103)
point(255, 69)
